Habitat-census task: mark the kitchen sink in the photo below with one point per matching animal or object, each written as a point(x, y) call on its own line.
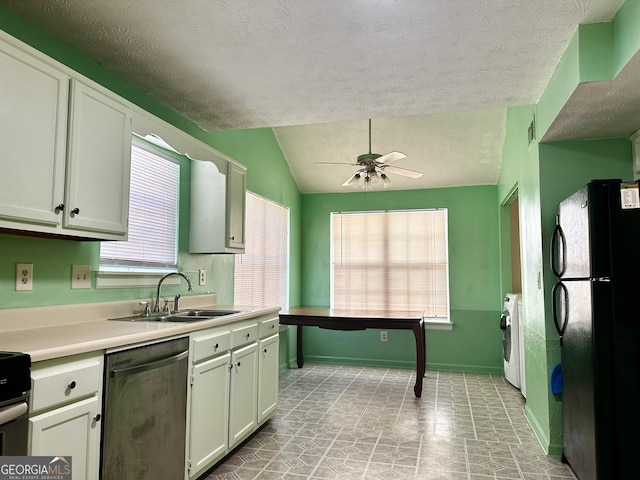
point(208, 313)
point(186, 316)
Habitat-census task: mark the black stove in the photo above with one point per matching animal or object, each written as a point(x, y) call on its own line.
point(15, 375)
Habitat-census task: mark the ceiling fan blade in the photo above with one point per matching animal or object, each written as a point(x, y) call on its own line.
point(402, 171)
point(391, 157)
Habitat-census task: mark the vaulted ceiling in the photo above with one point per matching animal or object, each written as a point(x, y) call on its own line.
point(435, 76)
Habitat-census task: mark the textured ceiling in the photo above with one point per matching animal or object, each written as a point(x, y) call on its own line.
point(230, 64)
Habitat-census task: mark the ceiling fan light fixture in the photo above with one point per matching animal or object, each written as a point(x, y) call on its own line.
point(385, 180)
point(355, 180)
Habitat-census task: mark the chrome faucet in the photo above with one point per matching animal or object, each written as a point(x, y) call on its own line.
point(156, 309)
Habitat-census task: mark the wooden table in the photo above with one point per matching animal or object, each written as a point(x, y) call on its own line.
point(348, 320)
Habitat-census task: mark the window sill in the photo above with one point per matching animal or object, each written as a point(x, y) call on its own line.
point(437, 324)
point(108, 279)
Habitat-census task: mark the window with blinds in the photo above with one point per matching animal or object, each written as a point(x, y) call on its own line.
point(153, 216)
point(261, 272)
point(393, 260)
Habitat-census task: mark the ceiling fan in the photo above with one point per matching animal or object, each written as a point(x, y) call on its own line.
point(374, 167)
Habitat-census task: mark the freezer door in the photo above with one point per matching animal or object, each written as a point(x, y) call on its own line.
point(571, 241)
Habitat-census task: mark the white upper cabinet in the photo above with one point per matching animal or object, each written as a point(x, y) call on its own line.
point(66, 150)
point(217, 208)
point(99, 163)
point(33, 115)
point(236, 200)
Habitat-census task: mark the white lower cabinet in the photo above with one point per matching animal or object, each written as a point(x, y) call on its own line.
point(243, 399)
point(209, 413)
point(70, 431)
point(65, 412)
point(234, 388)
point(268, 372)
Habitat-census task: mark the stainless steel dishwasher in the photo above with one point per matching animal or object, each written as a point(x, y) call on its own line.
point(145, 405)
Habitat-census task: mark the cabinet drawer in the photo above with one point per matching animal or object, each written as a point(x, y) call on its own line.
point(244, 334)
point(269, 327)
point(207, 345)
point(63, 380)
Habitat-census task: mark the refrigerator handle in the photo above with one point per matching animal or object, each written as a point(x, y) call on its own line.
point(560, 326)
point(558, 235)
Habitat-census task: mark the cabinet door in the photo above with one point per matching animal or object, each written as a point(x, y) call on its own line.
point(70, 431)
point(209, 413)
point(98, 164)
point(236, 187)
point(33, 115)
point(268, 371)
point(243, 398)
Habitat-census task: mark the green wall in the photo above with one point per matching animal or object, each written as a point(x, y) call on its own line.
point(475, 342)
point(268, 175)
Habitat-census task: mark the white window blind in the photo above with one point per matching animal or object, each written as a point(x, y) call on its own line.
point(394, 260)
point(261, 272)
point(153, 216)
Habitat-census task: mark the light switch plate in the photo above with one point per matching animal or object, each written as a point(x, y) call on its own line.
point(80, 276)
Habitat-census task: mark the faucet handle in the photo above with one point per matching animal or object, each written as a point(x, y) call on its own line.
point(166, 305)
point(147, 308)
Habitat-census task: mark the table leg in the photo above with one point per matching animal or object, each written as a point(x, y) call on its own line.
point(418, 332)
point(299, 355)
point(424, 347)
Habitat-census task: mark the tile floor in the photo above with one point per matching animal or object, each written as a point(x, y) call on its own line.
point(351, 422)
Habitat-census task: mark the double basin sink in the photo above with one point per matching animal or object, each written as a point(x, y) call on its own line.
point(196, 315)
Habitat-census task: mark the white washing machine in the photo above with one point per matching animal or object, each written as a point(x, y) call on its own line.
point(510, 328)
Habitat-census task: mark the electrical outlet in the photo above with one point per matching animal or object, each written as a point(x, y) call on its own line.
point(24, 276)
point(383, 336)
point(203, 276)
point(80, 276)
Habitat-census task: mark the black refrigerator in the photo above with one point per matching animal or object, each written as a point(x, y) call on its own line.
point(595, 253)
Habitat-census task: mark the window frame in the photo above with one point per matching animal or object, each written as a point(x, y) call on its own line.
point(122, 276)
point(248, 243)
point(438, 322)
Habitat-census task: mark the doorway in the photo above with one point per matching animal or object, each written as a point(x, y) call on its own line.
point(514, 226)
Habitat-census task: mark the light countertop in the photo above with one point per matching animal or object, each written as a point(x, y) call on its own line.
point(74, 333)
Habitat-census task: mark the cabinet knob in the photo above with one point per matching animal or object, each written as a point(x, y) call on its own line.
point(233, 238)
point(75, 211)
point(265, 350)
point(60, 207)
point(238, 364)
point(272, 327)
point(72, 385)
point(248, 335)
point(216, 346)
point(97, 418)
